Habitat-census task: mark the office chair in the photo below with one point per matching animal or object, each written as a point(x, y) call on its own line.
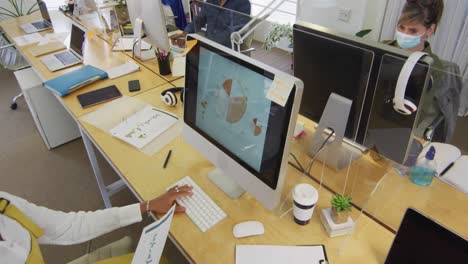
point(11, 59)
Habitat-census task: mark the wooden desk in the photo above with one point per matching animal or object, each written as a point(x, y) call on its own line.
point(394, 193)
point(97, 53)
point(145, 176)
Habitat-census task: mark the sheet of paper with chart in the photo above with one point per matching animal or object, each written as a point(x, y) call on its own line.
point(144, 126)
point(233, 108)
point(152, 240)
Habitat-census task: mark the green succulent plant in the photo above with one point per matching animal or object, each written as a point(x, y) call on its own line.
point(341, 202)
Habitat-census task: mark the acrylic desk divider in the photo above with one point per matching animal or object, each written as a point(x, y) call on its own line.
point(441, 200)
point(113, 113)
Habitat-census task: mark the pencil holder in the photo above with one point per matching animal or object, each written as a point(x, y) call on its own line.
point(164, 66)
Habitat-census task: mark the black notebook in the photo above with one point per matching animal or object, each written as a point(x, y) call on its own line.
point(99, 96)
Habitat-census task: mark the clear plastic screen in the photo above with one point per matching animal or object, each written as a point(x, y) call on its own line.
point(440, 121)
point(380, 194)
point(218, 23)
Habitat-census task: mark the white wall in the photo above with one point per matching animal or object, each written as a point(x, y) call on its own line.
point(374, 17)
point(365, 14)
point(328, 17)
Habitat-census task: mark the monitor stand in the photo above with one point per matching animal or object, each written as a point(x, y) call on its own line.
point(335, 153)
point(142, 55)
point(226, 184)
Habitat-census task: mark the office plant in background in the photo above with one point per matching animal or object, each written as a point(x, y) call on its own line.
point(17, 8)
point(341, 207)
point(277, 33)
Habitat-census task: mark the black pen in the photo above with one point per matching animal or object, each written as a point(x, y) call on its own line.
point(167, 158)
point(446, 169)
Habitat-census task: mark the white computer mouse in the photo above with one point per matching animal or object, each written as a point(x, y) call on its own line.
point(248, 228)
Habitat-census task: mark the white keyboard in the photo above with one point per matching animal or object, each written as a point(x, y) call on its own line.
point(199, 207)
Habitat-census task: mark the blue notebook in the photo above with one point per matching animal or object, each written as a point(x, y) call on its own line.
point(69, 82)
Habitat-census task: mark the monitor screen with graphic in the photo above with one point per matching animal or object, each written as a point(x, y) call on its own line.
point(225, 102)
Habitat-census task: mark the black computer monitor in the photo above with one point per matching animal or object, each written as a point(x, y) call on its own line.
point(421, 240)
point(365, 72)
point(44, 12)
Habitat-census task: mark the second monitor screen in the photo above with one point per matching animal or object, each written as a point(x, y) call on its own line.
point(225, 101)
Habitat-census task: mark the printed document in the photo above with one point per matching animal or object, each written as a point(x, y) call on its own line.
point(152, 240)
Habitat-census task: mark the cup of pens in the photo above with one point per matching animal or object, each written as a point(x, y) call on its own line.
point(163, 61)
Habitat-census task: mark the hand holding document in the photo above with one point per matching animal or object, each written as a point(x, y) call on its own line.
point(152, 240)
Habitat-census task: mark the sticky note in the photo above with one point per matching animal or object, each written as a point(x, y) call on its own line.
point(280, 88)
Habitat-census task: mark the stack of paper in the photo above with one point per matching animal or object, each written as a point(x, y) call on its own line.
point(144, 126)
point(246, 254)
point(123, 69)
point(28, 39)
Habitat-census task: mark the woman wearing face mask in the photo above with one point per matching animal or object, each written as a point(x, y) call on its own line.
point(418, 21)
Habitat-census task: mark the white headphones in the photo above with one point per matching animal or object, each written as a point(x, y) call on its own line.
point(400, 103)
point(169, 98)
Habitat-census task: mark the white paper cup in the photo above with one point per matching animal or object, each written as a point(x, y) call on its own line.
point(305, 197)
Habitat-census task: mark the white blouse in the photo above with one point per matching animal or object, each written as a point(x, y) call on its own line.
point(59, 228)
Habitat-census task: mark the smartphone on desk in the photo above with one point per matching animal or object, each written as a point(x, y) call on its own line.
point(133, 85)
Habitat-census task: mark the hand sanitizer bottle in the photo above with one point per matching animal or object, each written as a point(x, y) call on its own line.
point(425, 169)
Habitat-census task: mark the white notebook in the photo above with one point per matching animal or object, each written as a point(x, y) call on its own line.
point(246, 254)
point(457, 175)
point(144, 126)
point(122, 70)
point(451, 165)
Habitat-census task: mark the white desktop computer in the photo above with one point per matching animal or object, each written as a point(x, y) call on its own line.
point(229, 119)
point(148, 17)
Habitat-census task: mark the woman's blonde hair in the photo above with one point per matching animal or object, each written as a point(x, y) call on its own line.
point(426, 12)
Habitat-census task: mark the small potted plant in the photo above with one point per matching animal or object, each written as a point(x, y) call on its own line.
point(341, 207)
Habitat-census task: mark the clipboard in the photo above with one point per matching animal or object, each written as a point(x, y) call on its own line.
point(250, 254)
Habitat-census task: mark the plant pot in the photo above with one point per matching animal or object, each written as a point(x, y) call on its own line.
point(339, 217)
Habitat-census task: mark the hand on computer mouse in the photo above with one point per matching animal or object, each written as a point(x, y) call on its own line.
point(163, 203)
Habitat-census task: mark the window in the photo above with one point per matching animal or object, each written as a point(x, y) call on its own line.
point(54, 4)
point(286, 13)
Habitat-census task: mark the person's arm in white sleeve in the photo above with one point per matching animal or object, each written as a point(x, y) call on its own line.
point(62, 228)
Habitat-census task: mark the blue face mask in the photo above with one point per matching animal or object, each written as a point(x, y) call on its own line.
point(406, 41)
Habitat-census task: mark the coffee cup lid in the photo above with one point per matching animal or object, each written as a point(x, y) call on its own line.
point(305, 194)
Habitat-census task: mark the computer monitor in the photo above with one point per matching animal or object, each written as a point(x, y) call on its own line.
point(77, 39)
point(422, 240)
point(230, 121)
point(365, 72)
point(44, 12)
point(154, 21)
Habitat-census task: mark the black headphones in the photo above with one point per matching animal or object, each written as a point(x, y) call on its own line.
point(169, 98)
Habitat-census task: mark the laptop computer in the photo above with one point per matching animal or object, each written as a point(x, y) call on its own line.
point(40, 25)
point(421, 240)
point(69, 57)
